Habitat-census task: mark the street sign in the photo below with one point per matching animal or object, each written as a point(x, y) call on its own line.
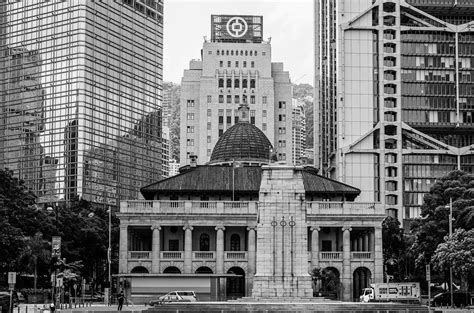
point(59, 282)
point(56, 246)
point(75, 286)
point(428, 273)
point(12, 278)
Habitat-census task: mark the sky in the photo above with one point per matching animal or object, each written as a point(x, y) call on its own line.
point(288, 22)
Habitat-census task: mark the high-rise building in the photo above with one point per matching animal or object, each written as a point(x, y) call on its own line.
point(80, 86)
point(394, 97)
point(298, 130)
point(235, 68)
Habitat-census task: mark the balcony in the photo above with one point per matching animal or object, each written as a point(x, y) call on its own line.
point(204, 255)
point(172, 255)
point(365, 255)
point(330, 256)
point(188, 207)
point(235, 256)
point(139, 255)
point(344, 208)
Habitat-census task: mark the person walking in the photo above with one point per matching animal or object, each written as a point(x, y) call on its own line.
point(120, 299)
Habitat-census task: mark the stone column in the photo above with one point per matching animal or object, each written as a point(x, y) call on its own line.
point(360, 244)
point(220, 249)
point(314, 247)
point(372, 241)
point(188, 249)
point(366, 243)
point(252, 252)
point(123, 255)
point(346, 264)
point(155, 249)
point(378, 256)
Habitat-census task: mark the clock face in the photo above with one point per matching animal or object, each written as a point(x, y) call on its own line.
point(237, 27)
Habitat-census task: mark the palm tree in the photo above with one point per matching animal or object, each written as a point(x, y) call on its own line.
point(36, 248)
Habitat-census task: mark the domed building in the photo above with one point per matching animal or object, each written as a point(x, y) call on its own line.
point(243, 225)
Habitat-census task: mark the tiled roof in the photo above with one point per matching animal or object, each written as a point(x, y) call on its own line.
point(208, 179)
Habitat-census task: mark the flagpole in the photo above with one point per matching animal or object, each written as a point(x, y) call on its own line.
point(233, 178)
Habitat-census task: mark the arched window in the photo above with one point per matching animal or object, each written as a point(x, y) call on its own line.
point(236, 83)
point(252, 83)
point(235, 242)
point(204, 242)
point(221, 82)
point(229, 83)
point(244, 83)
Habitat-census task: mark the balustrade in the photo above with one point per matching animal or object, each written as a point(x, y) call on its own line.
point(139, 254)
point(361, 255)
point(171, 255)
point(235, 255)
point(334, 255)
point(204, 255)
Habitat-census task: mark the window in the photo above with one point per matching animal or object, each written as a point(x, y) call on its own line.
point(282, 143)
point(209, 126)
point(236, 63)
point(229, 98)
point(391, 199)
point(252, 99)
point(221, 119)
point(221, 132)
point(221, 82)
point(229, 83)
point(190, 116)
point(236, 119)
point(190, 103)
point(209, 52)
point(235, 242)
point(190, 129)
point(228, 64)
point(282, 130)
point(237, 99)
point(208, 139)
point(209, 112)
point(221, 63)
point(252, 64)
point(209, 152)
point(204, 242)
point(389, 48)
point(190, 142)
point(221, 98)
point(252, 83)
point(264, 100)
point(245, 64)
point(236, 83)
point(229, 120)
point(244, 83)
point(282, 104)
point(264, 113)
point(264, 126)
point(391, 185)
point(173, 245)
point(389, 61)
point(209, 99)
point(252, 117)
point(390, 89)
point(281, 117)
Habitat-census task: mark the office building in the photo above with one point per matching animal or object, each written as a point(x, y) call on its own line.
point(235, 68)
point(298, 129)
point(394, 99)
point(80, 97)
point(241, 214)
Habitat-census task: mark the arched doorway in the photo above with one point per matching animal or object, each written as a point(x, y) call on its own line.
point(330, 283)
point(204, 270)
point(361, 279)
point(172, 270)
point(139, 270)
point(235, 285)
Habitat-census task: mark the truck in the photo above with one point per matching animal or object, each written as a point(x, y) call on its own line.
point(392, 292)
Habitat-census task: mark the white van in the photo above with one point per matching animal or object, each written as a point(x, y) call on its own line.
point(175, 296)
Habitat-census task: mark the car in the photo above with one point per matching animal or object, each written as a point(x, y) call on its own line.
point(460, 299)
point(175, 296)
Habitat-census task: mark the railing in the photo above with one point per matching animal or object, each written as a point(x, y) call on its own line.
point(235, 255)
point(204, 255)
point(344, 208)
point(361, 255)
point(188, 207)
point(336, 255)
point(171, 255)
point(139, 254)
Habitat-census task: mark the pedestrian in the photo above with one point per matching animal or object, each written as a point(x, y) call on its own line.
point(52, 308)
point(120, 300)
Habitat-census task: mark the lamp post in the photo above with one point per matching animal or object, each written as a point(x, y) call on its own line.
point(109, 256)
point(56, 246)
point(450, 233)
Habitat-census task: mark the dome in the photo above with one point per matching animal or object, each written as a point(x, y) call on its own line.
point(242, 142)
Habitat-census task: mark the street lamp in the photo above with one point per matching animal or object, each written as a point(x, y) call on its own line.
point(109, 256)
point(450, 233)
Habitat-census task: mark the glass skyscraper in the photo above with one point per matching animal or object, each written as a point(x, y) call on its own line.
point(81, 84)
point(394, 96)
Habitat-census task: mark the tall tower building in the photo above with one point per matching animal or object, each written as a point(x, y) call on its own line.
point(80, 97)
point(235, 68)
point(394, 99)
point(298, 129)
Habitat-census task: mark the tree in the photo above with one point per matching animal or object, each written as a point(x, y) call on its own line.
point(35, 249)
point(432, 227)
point(456, 252)
point(393, 247)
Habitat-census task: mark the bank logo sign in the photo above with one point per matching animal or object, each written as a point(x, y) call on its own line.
point(237, 27)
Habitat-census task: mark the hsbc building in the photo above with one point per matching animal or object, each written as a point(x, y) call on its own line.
point(235, 68)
